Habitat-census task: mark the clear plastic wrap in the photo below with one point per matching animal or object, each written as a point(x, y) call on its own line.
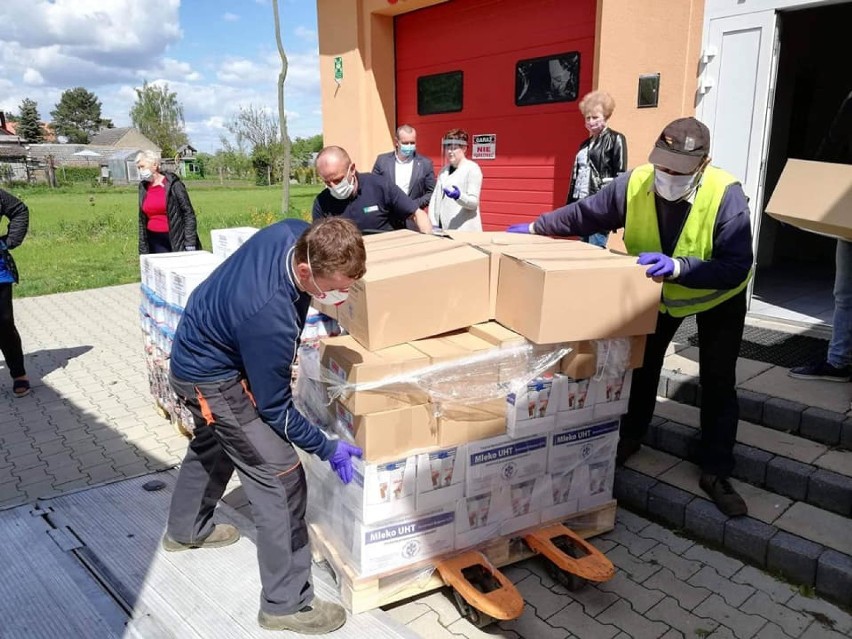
point(612, 356)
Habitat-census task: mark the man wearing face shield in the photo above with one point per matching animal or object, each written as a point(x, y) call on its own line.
point(231, 364)
point(372, 202)
point(689, 223)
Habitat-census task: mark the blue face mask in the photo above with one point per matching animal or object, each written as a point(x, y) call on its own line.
point(407, 150)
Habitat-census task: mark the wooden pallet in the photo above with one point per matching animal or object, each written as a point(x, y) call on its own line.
point(163, 412)
point(360, 594)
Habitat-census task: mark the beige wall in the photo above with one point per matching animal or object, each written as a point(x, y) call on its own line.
point(634, 37)
point(359, 114)
point(648, 36)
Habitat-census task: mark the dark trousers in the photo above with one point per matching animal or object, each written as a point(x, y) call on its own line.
point(720, 332)
point(159, 242)
point(229, 435)
point(10, 340)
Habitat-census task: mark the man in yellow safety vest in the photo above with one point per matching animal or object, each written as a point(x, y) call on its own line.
point(689, 223)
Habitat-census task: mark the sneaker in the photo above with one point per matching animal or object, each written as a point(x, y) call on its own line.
point(21, 387)
point(317, 618)
point(627, 447)
point(822, 370)
point(723, 495)
point(222, 535)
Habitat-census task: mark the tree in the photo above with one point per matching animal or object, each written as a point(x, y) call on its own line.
point(77, 115)
point(159, 116)
point(303, 149)
point(257, 128)
point(29, 122)
point(282, 116)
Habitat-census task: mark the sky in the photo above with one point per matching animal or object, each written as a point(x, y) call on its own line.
point(217, 55)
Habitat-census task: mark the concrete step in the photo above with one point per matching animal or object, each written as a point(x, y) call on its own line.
point(788, 465)
point(815, 410)
point(799, 494)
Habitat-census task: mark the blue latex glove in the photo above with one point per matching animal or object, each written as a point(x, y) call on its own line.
point(453, 193)
point(341, 460)
point(660, 265)
point(519, 228)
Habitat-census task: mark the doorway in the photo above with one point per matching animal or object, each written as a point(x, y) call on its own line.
point(795, 269)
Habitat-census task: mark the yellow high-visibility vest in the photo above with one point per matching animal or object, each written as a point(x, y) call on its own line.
point(642, 235)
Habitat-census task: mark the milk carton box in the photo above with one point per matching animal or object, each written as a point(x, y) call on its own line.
point(612, 394)
point(479, 515)
point(440, 477)
point(588, 454)
point(503, 460)
point(534, 409)
point(575, 402)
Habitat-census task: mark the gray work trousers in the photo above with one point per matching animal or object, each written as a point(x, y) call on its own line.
point(229, 435)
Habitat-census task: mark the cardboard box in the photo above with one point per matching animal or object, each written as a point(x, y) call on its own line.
point(497, 334)
point(148, 262)
point(526, 498)
point(163, 273)
point(612, 395)
point(390, 545)
point(440, 478)
point(376, 239)
point(479, 516)
point(589, 452)
point(346, 360)
point(814, 196)
point(582, 361)
point(502, 460)
point(407, 248)
point(534, 410)
point(604, 297)
point(389, 434)
point(184, 281)
point(575, 402)
point(557, 501)
point(463, 423)
point(225, 242)
point(413, 297)
point(377, 492)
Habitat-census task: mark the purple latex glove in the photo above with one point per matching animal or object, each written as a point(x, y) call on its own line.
point(660, 265)
point(453, 193)
point(341, 460)
point(519, 228)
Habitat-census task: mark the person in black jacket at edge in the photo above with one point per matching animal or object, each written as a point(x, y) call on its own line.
point(231, 364)
point(166, 218)
point(602, 156)
point(10, 341)
point(689, 223)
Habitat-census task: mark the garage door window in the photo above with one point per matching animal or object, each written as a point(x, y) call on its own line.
point(440, 93)
point(552, 78)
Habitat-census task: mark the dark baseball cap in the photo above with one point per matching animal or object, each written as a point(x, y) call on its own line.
point(682, 146)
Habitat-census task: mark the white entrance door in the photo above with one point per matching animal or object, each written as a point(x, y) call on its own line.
point(735, 97)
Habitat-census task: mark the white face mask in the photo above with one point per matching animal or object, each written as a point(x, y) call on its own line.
point(673, 187)
point(145, 174)
point(343, 189)
point(334, 298)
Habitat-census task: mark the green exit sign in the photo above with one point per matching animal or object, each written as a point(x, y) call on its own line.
point(338, 68)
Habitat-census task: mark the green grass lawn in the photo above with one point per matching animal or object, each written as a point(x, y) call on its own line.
point(88, 237)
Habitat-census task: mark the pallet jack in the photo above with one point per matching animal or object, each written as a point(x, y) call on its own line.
point(484, 595)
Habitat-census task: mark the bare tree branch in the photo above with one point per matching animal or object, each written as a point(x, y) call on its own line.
point(282, 116)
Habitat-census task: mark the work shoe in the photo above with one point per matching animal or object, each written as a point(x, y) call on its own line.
point(723, 495)
point(21, 387)
point(222, 535)
point(822, 370)
point(627, 447)
point(317, 618)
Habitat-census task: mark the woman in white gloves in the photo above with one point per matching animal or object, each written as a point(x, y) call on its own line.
point(454, 205)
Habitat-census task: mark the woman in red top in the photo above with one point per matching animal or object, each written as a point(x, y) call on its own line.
point(166, 217)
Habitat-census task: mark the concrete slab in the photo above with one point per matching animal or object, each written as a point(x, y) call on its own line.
point(839, 461)
point(817, 525)
point(686, 361)
point(828, 395)
point(773, 441)
point(651, 461)
point(762, 505)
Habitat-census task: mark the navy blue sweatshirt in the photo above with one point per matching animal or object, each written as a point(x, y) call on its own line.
point(247, 318)
point(606, 210)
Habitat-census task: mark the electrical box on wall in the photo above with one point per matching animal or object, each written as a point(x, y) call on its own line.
point(649, 90)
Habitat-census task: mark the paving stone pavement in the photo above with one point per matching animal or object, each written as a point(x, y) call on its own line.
point(90, 420)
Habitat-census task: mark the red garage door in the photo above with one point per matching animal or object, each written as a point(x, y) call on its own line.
point(515, 70)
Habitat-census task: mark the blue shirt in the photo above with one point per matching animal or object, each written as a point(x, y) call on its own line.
point(247, 319)
point(606, 210)
point(376, 205)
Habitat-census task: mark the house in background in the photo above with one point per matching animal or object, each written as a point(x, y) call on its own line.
point(123, 138)
point(186, 160)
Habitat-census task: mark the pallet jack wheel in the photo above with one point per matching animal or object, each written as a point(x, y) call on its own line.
point(474, 616)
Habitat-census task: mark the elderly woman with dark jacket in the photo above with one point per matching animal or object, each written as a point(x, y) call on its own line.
point(602, 156)
point(166, 217)
point(10, 341)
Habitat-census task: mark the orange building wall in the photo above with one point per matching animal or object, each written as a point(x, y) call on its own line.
point(633, 37)
point(636, 37)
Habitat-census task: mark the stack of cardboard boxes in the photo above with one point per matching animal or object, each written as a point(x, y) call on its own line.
point(167, 280)
point(442, 474)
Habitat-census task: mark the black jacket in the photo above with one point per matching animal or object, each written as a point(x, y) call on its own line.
point(179, 211)
point(608, 158)
point(422, 176)
point(19, 221)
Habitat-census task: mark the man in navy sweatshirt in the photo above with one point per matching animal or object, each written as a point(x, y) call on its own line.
point(231, 364)
point(689, 223)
